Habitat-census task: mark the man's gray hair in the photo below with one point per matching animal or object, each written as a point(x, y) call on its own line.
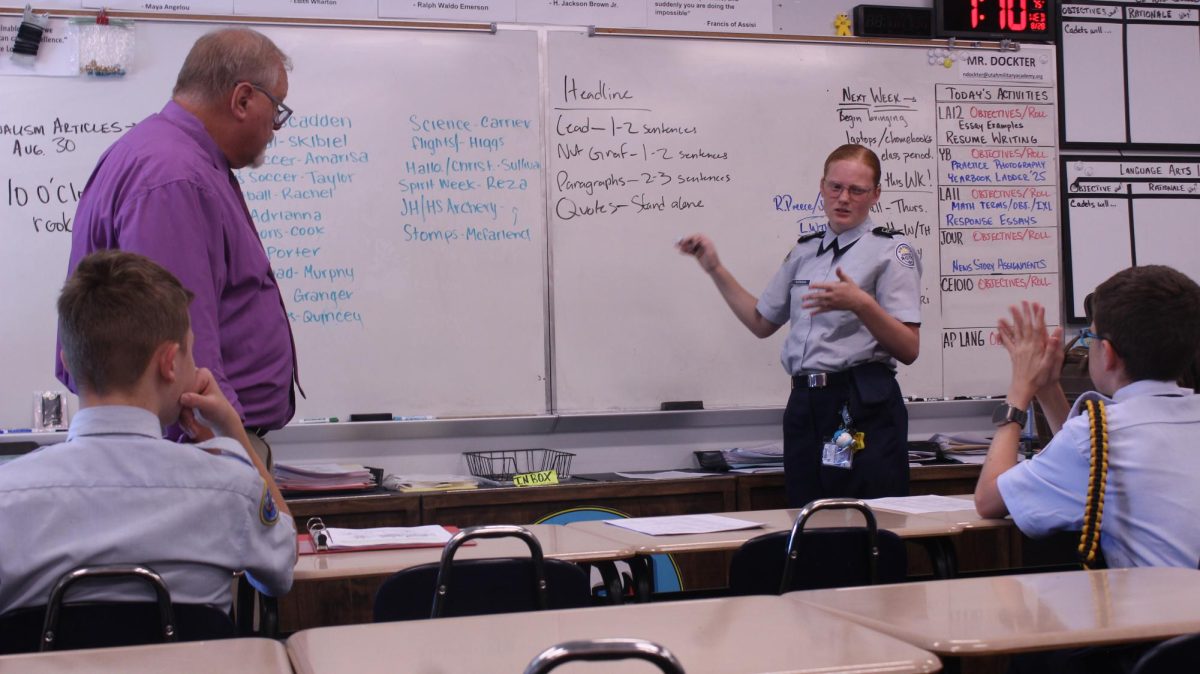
point(221, 59)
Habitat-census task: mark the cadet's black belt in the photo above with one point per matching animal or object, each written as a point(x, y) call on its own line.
point(820, 379)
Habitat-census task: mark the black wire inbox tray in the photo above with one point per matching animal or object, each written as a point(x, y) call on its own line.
point(501, 465)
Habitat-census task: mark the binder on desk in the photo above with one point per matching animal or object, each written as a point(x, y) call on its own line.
point(320, 539)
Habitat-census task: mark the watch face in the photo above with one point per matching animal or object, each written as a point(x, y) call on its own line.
point(1006, 414)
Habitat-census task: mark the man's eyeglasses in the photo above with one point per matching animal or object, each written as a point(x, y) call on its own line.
point(835, 190)
point(1087, 338)
point(282, 112)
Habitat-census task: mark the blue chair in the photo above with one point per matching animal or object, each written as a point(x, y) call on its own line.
point(482, 586)
point(660, 571)
point(808, 559)
point(605, 649)
point(60, 625)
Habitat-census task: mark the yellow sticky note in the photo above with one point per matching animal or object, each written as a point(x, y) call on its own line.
point(539, 479)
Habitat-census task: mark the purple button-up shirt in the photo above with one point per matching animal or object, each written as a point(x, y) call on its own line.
point(165, 190)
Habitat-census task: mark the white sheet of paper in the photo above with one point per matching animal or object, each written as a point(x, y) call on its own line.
point(916, 505)
point(666, 475)
point(357, 538)
point(683, 524)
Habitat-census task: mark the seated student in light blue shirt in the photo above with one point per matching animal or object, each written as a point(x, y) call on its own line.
point(1143, 336)
point(116, 492)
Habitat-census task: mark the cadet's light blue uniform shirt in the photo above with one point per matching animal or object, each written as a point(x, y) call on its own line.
point(1151, 503)
point(116, 492)
point(887, 268)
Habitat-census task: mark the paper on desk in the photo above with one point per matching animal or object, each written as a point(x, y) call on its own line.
point(431, 534)
point(665, 475)
point(683, 524)
point(916, 505)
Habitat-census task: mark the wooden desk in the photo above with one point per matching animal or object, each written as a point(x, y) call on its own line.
point(253, 656)
point(729, 636)
point(765, 491)
point(358, 511)
point(339, 588)
point(1009, 614)
point(989, 544)
point(905, 526)
point(558, 542)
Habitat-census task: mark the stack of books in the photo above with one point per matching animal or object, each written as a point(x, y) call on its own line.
point(323, 477)
point(965, 447)
point(756, 458)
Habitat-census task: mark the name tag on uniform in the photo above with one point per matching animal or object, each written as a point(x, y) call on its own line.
point(799, 282)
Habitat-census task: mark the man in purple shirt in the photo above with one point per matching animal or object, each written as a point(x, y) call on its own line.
point(166, 190)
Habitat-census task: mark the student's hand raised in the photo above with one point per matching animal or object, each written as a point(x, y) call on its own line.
point(206, 411)
point(1036, 353)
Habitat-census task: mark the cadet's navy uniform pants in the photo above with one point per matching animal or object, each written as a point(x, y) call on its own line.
point(873, 397)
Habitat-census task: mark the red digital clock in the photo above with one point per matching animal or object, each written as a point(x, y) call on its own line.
point(995, 19)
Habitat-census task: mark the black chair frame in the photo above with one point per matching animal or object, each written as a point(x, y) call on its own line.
point(605, 649)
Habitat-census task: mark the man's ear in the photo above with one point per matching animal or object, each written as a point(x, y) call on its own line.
point(165, 358)
point(62, 358)
point(239, 100)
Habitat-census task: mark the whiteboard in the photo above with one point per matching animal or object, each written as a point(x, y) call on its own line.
point(1130, 73)
point(1123, 211)
point(412, 262)
point(649, 140)
point(516, 309)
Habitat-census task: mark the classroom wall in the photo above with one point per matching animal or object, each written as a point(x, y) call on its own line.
point(602, 442)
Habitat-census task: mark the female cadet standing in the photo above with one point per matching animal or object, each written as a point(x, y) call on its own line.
point(853, 296)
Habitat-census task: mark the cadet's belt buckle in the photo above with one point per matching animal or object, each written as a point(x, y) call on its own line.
point(818, 380)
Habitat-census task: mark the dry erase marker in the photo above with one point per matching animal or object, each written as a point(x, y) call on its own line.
point(414, 417)
point(319, 420)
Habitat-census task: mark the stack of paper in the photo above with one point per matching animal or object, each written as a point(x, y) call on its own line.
point(770, 454)
point(417, 482)
point(963, 443)
point(683, 524)
point(387, 537)
point(322, 476)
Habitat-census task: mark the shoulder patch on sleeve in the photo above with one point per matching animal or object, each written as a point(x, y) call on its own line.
point(268, 513)
point(885, 232)
point(906, 255)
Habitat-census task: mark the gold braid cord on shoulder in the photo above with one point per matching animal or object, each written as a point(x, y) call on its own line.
point(1089, 540)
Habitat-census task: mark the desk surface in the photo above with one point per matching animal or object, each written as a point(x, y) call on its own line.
point(1005, 614)
point(967, 518)
point(905, 526)
point(255, 656)
point(558, 542)
point(743, 634)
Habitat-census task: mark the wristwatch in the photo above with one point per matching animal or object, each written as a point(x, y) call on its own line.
point(1007, 414)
